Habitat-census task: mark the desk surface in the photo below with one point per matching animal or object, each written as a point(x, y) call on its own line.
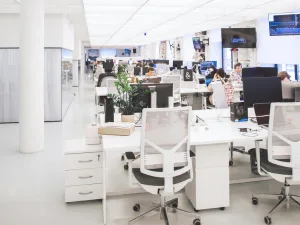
point(214, 132)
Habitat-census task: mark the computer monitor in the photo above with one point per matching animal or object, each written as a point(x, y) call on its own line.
point(262, 90)
point(262, 113)
point(259, 72)
point(137, 71)
point(177, 64)
point(163, 90)
point(145, 70)
point(206, 65)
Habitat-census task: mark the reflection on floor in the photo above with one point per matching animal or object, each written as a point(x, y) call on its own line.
point(32, 186)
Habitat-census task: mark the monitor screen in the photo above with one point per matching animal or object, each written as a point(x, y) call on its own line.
point(251, 72)
point(239, 37)
point(262, 90)
point(284, 24)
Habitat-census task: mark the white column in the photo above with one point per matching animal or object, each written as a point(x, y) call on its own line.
point(76, 59)
point(32, 76)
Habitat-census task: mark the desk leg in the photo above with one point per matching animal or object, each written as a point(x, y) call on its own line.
point(204, 102)
point(104, 189)
point(231, 154)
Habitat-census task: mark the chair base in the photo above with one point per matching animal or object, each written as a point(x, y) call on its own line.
point(163, 209)
point(284, 196)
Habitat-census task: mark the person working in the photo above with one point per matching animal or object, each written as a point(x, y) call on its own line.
point(284, 76)
point(236, 76)
point(212, 71)
point(227, 84)
point(151, 72)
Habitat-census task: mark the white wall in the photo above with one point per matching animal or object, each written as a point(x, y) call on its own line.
point(59, 33)
point(214, 50)
point(187, 48)
point(107, 52)
point(276, 50)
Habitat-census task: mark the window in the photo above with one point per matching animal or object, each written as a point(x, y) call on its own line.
point(288, 68)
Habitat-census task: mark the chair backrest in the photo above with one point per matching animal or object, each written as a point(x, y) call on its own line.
point(219, 96)
point(111, 87)
point(176, 81)
point(159, 150)
point(284, 136)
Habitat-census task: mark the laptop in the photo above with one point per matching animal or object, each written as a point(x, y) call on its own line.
point(262, 112)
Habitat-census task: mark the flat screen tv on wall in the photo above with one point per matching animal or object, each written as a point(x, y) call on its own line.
point(239, 38)
point(284, 24)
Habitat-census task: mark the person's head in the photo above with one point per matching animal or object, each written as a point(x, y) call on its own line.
point(220, 73)
point(151, 64)
point(238, 67)
point(138, 65)
point(212, 68)
point(151, 71)
point(284, 76)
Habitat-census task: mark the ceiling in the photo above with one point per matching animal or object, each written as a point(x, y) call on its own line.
point(125, 22)
point(72, 8)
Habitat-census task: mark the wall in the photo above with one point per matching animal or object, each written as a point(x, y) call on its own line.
point(59, 33)
point(187, 48)
point(107, 52)
point(276, 50)
point(214, 50)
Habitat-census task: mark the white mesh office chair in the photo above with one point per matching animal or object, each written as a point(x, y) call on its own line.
point(111, 87)
point(282, 159)
point(165, 163)
point(176, 81)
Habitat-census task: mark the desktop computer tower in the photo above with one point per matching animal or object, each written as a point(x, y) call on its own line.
point(109, 110)
point(188, 75)
point(238, 112)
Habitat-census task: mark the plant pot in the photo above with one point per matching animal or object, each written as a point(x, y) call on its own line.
point(127, 118)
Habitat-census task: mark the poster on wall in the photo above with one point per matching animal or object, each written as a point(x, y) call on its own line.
point(197, 43)
point(127, 52)
point(162, 50)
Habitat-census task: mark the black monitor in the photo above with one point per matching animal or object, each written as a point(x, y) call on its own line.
point(259, 72)
point(137, 71)
point(262, 90)
point(163, 90)
point(177, 64)
point(145, 70)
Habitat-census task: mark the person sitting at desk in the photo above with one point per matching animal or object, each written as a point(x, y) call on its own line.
point(151, 72)
point(284, 76)
point(227, 84)
point(212, 71)
point(236, 75)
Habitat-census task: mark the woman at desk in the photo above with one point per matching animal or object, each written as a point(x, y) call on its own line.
point(212, 71)
point(284, 76)
point(227, 84)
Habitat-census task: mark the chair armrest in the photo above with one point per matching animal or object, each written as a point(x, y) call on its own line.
point(131, 156)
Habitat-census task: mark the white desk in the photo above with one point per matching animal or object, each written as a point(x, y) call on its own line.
point(211, 168)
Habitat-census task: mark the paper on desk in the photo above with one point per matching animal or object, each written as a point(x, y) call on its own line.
point(118, 125)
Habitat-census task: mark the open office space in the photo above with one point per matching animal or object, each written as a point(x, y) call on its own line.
point(149, 112)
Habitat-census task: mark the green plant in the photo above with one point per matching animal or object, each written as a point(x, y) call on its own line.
point(129, 97)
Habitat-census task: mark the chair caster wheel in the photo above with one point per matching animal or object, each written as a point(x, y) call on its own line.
point(196, 210)
point(136, 207)
point(254, 201)
point(175, 205)
point(222, 208)
point(122, 158)
point(230, 163)
point(196, 222)
point(126, 167)
point(268, 220)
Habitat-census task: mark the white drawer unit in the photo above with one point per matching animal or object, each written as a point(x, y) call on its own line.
point(84, 193)
point(84, 173)
point(82, 177)
point(83, 161)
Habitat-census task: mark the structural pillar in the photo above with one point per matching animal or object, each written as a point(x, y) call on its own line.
point(31, 130)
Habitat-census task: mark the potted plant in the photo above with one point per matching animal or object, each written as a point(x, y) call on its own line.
point(128, 99)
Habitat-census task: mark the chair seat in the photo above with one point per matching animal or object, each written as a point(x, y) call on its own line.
point(273, 168)
point(157, 181)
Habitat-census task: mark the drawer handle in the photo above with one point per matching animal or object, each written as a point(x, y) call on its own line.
point(86, 193)
point(86, 177)
point(88, 161)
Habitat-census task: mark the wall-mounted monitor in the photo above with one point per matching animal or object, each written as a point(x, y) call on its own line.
point(239, 38)
point(284, 24)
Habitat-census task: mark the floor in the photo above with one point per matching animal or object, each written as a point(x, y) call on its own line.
point(32, 186)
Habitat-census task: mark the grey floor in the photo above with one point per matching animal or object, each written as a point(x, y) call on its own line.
point(32, 186)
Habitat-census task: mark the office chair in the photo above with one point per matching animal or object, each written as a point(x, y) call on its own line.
point(176, 81)
point(281, 160)
point(165, 163)
point(221, 100)
point(111, 87)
